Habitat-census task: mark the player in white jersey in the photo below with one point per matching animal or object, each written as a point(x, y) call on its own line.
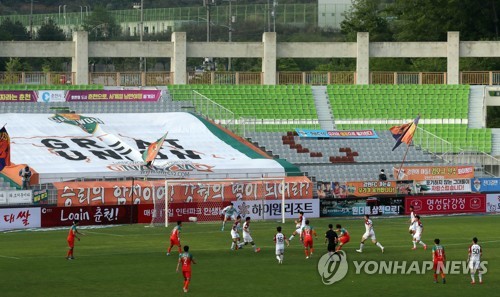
point(474, 259)
point(413, 219)
point(419, 229)
point(229, 212)
point(247, 237)
point(369, 233)
point(235, 235)
point(299, 224)
point(279, 240)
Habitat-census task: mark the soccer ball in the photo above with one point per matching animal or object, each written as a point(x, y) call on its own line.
point(193, 219)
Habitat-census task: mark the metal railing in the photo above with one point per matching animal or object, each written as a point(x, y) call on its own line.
point(137, 78)
point(453, 154)
point(215, 112)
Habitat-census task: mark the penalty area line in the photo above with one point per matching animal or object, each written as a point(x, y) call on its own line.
point(110, 234)
point(9, 257)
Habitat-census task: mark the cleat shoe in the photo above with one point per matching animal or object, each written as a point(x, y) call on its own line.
point(185, 290)
point(307, 257)
point(257, 250)
point(425, 247)
point(472, 282)
point(481, 282)
point(444, 281)
point(359, 251)
point(435, 281)
point(413, 248)
point(168, 254)
point(383, 250)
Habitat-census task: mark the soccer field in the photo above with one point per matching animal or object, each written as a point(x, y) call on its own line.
point(131, 261)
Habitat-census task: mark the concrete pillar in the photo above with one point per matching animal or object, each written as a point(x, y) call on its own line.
point(269, 58)
point(363, 58)
point(80, 58)
point(453, 58)
point(178, 63)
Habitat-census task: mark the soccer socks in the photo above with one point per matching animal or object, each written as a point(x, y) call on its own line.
point(186, 284)
point(307, 253)
point(414, 244)
point(179, 249)
point(233, 245)
point(480, 277)
point(278, 257)
point(380, 245)
point(169, 250)
point(361, 245)
point(312, 251)
point(282, 257)
point(472, 277)
point(291, 237)
point(421, 243)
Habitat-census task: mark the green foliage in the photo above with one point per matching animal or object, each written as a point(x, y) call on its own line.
point(13, 31)
point(101, 25)
point(131, 261)
point(366, 16)
point(49, 31)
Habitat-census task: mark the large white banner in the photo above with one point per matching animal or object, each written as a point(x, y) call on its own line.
point(20, 218)
point(111, 145)
point(272, 209)
point(493, 203)
point(443, 186)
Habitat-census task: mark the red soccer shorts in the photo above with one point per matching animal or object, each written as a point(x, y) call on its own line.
point(71, 243)
point(344, 239)
point(308, 243)
point(438, 266)
point(186, 274)
point(175, 241)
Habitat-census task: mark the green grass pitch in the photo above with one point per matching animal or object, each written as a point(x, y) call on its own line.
point(131, 261)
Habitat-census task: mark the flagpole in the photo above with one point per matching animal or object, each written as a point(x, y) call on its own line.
point(402, 162)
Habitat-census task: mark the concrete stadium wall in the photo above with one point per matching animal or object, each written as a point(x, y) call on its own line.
point(269, 50)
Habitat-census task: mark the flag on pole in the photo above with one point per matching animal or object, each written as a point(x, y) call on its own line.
point(152, 151)
point(4, 148)
point(404, 133)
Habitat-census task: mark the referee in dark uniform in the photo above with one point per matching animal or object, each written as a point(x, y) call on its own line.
point(331, 238)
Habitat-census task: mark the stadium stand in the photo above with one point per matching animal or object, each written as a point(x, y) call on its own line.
point(448, 105)
point(294, 103)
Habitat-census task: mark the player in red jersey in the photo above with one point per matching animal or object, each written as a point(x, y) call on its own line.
point(306, 238)
point(175, 238)
point(185, 259)
point(344, 237)
point(73, 231)
point(438, 258)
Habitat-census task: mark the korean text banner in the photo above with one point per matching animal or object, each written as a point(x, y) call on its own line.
point(359, 134)
point(69, 146)
point(18, 96)
point(435, 186)
point(272, 209)
point(446, 204)
point(371, 188)
point(19, 218)
point(114, 95)
point(486, 185)
point(120, 192)
point(88, 215)
point(434, 172)
point(202, 211)
point(361, 206)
